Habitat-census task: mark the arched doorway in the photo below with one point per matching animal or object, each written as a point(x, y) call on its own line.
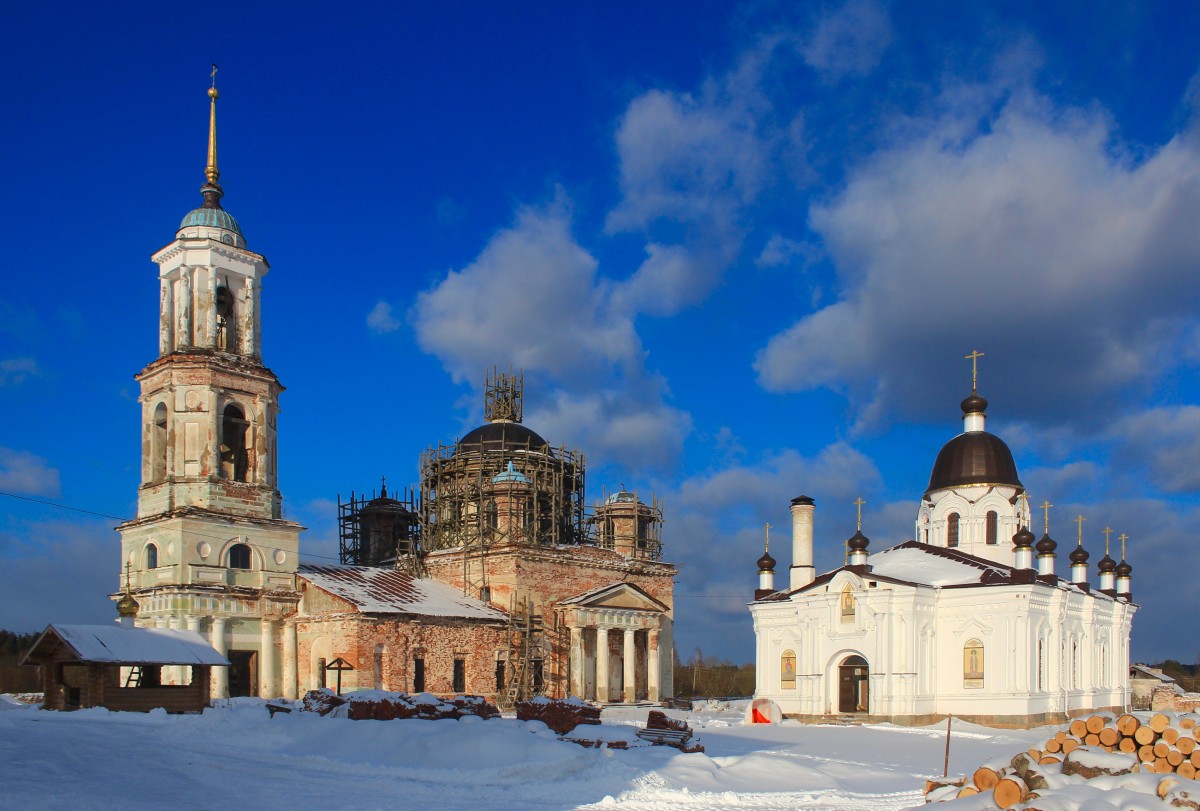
point(853, 676)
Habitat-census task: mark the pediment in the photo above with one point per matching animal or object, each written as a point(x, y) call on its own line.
point(616, 595)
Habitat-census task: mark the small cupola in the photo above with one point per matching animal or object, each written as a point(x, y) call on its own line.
point(856, 544)
point(766, 568)
point(127, 606)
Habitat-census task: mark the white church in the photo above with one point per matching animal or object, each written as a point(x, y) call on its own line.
point(961, 621)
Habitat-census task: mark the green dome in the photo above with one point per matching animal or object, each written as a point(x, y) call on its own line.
point(212, 218)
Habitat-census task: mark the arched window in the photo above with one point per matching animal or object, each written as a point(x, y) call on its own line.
point(847, 603)
point(952, 529)
point(991, 525)
point(787, 670)
point(151, 556)
point(239, 556)
point(158, 444)
point(226, 320)
point(973, 663)
point(235, 462)
point(491, 514)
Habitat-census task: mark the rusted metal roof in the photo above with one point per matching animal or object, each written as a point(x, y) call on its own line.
point(374, 590)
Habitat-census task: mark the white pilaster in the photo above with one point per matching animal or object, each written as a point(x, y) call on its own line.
point(602, 657)
point(290, 689)
point(576, 662)
point(652, 666)
point(266, 661)
point(220, 675)
point(629, 677)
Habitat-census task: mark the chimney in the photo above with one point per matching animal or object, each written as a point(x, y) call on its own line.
point(802, 572)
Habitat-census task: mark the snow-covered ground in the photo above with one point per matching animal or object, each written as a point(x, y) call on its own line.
point(237, 757)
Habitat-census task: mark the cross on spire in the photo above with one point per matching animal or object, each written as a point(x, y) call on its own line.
point(767, 543)
point(1079, 519)
point(1123, 538)
point(974, 358)
point(1046, 505)
point(1107, 534)
point(859, 502)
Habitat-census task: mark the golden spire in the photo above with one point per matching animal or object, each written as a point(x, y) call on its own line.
point(1079, 519)
point(1046, 505)
point(1107, 535)
point(210, 171)
point(974, 358)
point(767, 543)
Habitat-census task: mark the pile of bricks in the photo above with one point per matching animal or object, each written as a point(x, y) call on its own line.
point(561, 715)
point(399, 706)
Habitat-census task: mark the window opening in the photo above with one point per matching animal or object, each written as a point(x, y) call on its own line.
point(991, 525)
point(235, 461)
point(952, 529)
point(418, 675)
point(158, 444)
point(460, 676)
point(239, 556)
point(151, 557)
point(226, 320)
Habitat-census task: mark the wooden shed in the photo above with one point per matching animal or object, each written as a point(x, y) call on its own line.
point(119, 667)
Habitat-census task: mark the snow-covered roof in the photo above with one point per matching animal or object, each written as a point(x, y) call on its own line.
point(149, 646)
point(387, 591)
point(1148, 672)
point(925, 567)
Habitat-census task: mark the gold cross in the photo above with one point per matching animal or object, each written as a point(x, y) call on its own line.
point(1046, 505)
point(767, 545)
point(974, 358)
point(860, 502)
point(1079, 519)
point(1107, 534)
point(1123, 538)
point(214, 74)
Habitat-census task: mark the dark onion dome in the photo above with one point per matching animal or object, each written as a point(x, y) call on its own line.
point(501, 435)
point(976, 457)
point(1124, 569)
point(1079, 555)
point(974, 404)
point(802, 500)
point(858, 541)
point(1106, 564)
point(766, 563)
point(1046, 545)
point(1023, 537)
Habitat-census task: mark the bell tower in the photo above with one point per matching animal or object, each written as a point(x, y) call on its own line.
point(209, 550)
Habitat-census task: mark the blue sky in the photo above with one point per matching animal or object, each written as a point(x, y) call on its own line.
point(739, 249)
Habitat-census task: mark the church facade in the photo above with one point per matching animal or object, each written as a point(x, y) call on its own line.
point(961, 621)
point(492, 577)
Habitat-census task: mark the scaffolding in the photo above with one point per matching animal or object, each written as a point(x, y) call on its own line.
point(381, 531)
point(624, 523)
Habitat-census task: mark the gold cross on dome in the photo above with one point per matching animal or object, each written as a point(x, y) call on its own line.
point(1046, 505)
point(974, 358)
point(1107, 535)
point(1123, 538)
point(859, 502)
point(1079, 519)
point(214, 74)
point(767, 545)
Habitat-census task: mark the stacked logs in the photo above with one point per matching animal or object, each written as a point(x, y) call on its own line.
point(1162, 744)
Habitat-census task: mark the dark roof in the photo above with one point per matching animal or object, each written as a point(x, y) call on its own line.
point(975, 457)
point(496, 436)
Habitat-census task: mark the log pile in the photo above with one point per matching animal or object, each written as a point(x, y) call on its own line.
point(1099, 746)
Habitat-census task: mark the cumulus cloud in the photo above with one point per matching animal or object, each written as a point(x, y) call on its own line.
point(381, 320)
point(849, 40)
point(1166, 441)
point(1024, 231)
point(22, 472)
point(14, 371)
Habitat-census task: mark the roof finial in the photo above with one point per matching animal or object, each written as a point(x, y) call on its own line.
point(974, 358)
point(767, 542)
point(210, 171)
point(1079, 519)
point(859, 502)
point(1046, 505)
point(1107, 534)
point(1123, 538)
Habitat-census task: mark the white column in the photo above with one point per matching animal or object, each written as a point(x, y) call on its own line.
point(183, 310)
point(576, 662)
point(193, 625)
point(290, 688)
point(166, 317)
point(629, 677)
point(247, 334)
point(266, 660)
point(602, 664)
point(210, 314)
point(652, 666)
point(220, 675)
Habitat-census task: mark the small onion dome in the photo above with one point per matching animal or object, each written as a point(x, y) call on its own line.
point(1046, 545)
point(1079, 555)
point(1106, 564)
point(1023, 538)
point(766, 563)
point(1124, 569)
point(974, 404)
point(127, 606)
point(858, 542)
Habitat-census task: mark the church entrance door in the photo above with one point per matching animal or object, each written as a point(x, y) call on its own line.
point(242, 671)
point(853, 680)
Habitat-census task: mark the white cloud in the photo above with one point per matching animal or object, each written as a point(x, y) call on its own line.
point(381, 320)
point(1167, 442)
point(1029, 235)
point(14, 371)
point(848, 41)
point(22, 472)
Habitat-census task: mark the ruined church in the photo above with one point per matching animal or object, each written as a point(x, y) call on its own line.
point(491, 576)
